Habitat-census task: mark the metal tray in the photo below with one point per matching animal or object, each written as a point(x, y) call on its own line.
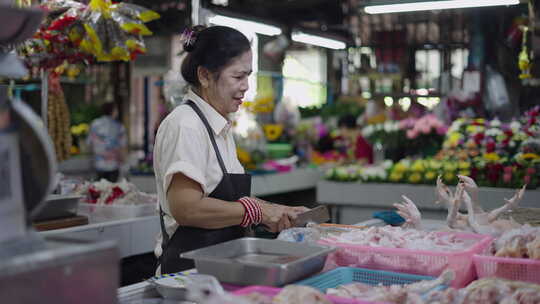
point(58, 206)
point(254, 261)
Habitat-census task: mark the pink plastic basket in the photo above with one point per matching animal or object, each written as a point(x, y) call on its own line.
point(421, 262)
point(272, 291)
point(527, 270)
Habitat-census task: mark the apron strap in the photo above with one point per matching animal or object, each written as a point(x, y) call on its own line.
point(210, 133)
point(164, 236)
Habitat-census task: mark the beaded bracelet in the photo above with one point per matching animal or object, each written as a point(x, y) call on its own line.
point(253, 211)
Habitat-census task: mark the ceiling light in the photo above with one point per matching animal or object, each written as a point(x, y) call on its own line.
point(433, 5)
point(245, 25)
point(318, 41)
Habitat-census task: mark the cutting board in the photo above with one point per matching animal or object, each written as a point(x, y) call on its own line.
point(61, 223)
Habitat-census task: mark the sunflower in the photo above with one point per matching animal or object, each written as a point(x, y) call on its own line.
point(272, 131)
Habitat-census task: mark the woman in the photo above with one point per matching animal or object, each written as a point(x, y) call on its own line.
point(202, 189)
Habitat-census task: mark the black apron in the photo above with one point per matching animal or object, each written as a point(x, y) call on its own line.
point(230, 188)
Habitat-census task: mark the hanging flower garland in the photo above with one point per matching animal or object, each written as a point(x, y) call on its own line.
point(74, 32)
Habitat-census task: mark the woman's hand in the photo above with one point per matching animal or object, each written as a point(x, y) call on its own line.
point(278, 217)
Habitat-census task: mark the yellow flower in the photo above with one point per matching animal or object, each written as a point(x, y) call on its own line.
point(465, 172)
point(491, 156)
point(480, 120)
point(434, 164)
point(474, 129)
point(243, 156)
point(395, 176)
point(402, 166)
point(450, 166)
point(530, 156)
point(272, 131)
point(418, 165)
point(430, 175)
point(74, 150)
point(464, 165)
point(449, 177)
point(454, 138)
point(415, 178)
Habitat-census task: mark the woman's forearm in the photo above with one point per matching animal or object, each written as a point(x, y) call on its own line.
point(209, 213)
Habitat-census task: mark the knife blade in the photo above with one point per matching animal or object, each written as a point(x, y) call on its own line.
point(316, 215)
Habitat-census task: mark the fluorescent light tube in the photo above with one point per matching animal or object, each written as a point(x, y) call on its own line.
point(318, 41)
point(245, 25)
point(434, 5)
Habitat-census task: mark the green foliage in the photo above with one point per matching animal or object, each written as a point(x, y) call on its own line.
point(340, 108)
point(84, 113)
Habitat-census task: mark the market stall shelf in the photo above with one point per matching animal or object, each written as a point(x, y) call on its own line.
point(267, 184)
point(355, 202)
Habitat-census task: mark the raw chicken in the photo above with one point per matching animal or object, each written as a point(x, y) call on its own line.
point(397, 237)
point(495, 291)
point(411, 214)
point(476, 220)
point(409, 294)
point(523, 242)
point(293, 294)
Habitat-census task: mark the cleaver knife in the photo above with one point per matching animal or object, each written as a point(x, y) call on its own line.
point(316, 215)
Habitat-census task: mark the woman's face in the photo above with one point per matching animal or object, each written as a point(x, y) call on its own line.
point(226, 90)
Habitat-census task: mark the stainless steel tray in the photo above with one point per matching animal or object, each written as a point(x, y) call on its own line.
point(254, 261)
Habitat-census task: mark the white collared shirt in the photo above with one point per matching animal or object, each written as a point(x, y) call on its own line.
point(183, 145)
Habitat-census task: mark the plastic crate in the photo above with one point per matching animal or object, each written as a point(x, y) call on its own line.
point(527, 270)
point(420, 262)
point(272, 291)
point(103, 213)
point(346, 275)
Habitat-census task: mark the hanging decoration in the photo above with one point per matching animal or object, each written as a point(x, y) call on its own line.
point(58, 118)
point(74, 32)
point(524, 62)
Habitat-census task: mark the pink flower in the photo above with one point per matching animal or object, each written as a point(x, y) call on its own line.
point(527, 179)
point(411, 134)
point(531, 171)
point(425, 129)
point(442, 130)
point(507, 177)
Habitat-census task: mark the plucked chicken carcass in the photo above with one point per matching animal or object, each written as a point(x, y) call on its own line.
point(406, 294)
point(476, 220)
point(291, 294)
point(523, 242)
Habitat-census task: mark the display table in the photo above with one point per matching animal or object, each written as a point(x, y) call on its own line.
point(354, 202)
point(133, 236)
point(266, 184)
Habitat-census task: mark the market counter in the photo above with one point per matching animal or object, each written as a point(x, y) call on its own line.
point(133, 236)
point(353, 202)
point(265, 184)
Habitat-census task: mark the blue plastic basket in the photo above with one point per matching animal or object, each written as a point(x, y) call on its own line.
point(347, 275)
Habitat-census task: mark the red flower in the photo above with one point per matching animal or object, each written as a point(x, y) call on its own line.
point(527, 179)
point(493, 172)
point(490, 147)
point(116, 193)
point(531, 171)
point(93, 195)
point(508, 169)
point(478, 137)
point(509, 133)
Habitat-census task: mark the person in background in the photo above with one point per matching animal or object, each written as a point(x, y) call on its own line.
point(350, 142)
point(108, 143)
point(204, 195)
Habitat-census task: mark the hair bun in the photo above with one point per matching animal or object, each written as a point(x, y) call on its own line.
point(189, 37)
